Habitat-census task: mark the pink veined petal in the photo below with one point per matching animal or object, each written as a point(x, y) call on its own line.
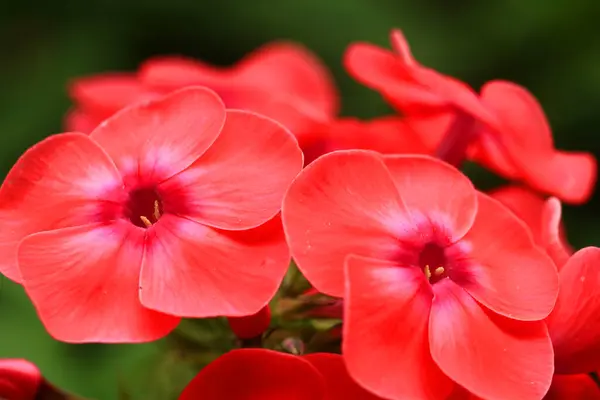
point(64, 180)
point(574, 324)
point(240, 181)
point(505, 270)
point(289, 68)
point(573, 387)
point(257, 374)
point(339, 384)
point(343, 203)
point(493, 357)
point(434, 190)
point(152, 141)
point(83, 282)
point(192, 270)
point(386, 310)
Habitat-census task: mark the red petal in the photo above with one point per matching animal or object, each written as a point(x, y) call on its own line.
point(340, 386)
point(84, 283)
point(574, 324)
point(240, 181)
point(19, 379)
point(506, 271)
point(175, 72)
point(386, 315)
point(343, 203)
point(108, 93)
point(573, 387)
point(256, 374)
point(401, 47)
point(290, 68)
point(553, 234)
point(386, 135)
point(383, 71)
point(525, 135)
point(432, 189)
point(65, 180)
point(153, 141)
point(491, 356)
point(78, 120)
point(192, 270)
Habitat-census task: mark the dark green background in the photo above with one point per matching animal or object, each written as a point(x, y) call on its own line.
point(552, 47)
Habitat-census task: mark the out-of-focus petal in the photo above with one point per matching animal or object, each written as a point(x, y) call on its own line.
point(573, 387)
point(19, 379)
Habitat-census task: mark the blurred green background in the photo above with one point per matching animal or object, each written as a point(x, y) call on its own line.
point(551, 47)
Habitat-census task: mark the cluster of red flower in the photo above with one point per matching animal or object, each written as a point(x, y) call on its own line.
point(183, 194)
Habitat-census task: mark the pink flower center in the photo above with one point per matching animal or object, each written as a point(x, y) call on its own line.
point(144, 207)
point(433, 262)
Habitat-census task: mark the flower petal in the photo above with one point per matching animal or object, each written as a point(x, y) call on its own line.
point(259, 374)
point(65, 180)
point(506, 271)
point(19, 379)
point(78, 120)
point(386, 316)
point(83, 282)
point(108, 93)
point(343, 203)
point(174, 72)
point(432, 189)
point(340, 386)
point(573, 387)
point(574, 324)
point(525, 134)
point(152, 141)
point(192, 270)
point(493, 357)
point(290, 68)
point(553, 234)
point(240, 181)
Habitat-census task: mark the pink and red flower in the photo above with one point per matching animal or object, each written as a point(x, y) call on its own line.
point(269, 375)
point(505, 128)
point(169, 208)
point(442, 285)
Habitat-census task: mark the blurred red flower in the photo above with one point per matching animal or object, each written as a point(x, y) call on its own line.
point(283, 81)
point(441, 283)
point(19, 379)
point(269, 375)
point(505, 128)
point(168, 207)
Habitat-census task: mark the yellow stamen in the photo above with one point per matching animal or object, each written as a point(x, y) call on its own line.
point(156, 210)
point(427, 272)
point(438, 271)
point(146, 221)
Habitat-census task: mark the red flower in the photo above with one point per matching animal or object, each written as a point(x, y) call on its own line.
point(573, 387)
point(19, 379)
point(158, 211)
point(388, 135)
point(251, 326)
point(441, 283)
point(269, 375)
point(505, 128)
point(283, 81)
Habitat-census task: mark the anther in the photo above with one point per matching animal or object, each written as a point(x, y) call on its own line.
point(438, 271)
point(156, 210)
point(427, 272)
point(146, 221)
